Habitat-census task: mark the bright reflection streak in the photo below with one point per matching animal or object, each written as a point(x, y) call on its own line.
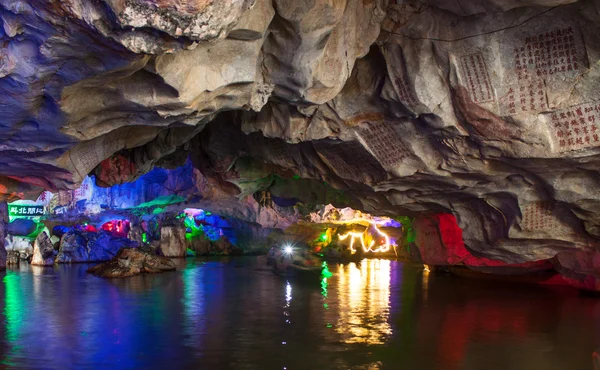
point(364, 294)
point(425, 281)
point(385, 247)
point(324, 285)
point(288, 301)
point(288, 294)
point(14, 305)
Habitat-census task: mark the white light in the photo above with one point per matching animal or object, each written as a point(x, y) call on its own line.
point(287, 250)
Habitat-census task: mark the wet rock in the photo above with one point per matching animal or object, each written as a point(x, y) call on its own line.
point(201, 246)
point(147, 248)
point(13, 258)
point(105, 246)
point(135, 234)
point(580, 269)
point(131, 262)
point(224, 247)
point(43, 251)
point(60, 230)
point(172, 241)
point(73, 248)
point(21, 245)
point(21, 227)
point(76, 246)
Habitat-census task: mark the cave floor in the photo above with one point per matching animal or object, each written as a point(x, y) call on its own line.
point(224, 313)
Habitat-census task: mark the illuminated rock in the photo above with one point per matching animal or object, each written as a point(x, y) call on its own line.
point(20, 244)
point(73, 248)
point(43, 251)
point(76, 246)
point(21, 227)
point(130, 262)
point(172, 241)
point(13, 258)
point(201, 246)
point(579, 269)
point(392, 108)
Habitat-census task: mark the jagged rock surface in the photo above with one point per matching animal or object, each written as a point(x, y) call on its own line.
point(172, 241)
point(486, 110)
point(76, 246)
point(130, 262)
point(43, 251)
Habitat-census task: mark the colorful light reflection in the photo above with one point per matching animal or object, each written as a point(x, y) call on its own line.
point(364, 293)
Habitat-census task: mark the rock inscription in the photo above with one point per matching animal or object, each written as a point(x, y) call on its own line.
point(575, 128)
point(385, 144)
point(548, 53)
point(475, 74)
point(526, 97)
point(539, 216)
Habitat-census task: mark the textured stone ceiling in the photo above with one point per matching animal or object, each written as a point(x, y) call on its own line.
point(485, 109)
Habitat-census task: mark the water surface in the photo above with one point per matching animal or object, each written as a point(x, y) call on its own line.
point(224, 314)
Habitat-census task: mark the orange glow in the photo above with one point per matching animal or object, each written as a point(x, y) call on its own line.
point(384, 247)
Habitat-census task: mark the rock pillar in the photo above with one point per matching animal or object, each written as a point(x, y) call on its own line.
point(172, 241)
point(43, 251)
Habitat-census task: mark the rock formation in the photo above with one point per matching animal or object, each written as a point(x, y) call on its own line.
point(130, 262)
point(485, 110)
point(172, 241)
point(13, 258)
point(43, 251)
point(78, 246)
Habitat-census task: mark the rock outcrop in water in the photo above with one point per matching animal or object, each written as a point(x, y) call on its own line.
point(76, 246)
point(130, 262)
point(486, 111)
point(43, 251)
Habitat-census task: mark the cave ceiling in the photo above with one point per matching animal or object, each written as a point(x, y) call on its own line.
point(485, 109)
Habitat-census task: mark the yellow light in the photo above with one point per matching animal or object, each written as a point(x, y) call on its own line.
point(426, 268)
point(385, 247)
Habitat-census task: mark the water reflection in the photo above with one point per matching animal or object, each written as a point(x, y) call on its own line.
point(193, 305)
point(364, 300)
point(223, 314)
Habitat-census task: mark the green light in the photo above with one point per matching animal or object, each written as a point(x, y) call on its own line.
point(324, 237)
point(144, 238)
point(324, 285)
point(14, 308)
point(329, 325)
point(325, 272)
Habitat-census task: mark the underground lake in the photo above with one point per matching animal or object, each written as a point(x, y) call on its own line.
point(300, 184)
point(225, 313)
